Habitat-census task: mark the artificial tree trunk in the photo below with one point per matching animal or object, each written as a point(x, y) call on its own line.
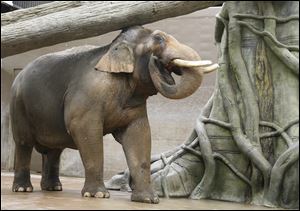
point(245, 144)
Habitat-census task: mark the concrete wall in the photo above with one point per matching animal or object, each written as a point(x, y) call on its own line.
point(171, 120)
point(7, 143)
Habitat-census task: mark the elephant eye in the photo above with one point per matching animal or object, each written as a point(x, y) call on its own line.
point(158, 38)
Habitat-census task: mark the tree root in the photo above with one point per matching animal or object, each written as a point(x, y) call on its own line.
point(251, 150)
point(203, 189)
point(216, 122)
point(284, 161)
point(269, 35)
point(232, 167)
point(263, 17)
point(279, 131)
point(278, 48)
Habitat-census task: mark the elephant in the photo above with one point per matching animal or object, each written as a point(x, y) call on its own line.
point(72, 98)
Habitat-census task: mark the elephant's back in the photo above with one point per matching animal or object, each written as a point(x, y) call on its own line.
point(59, 67)
point(47, 77)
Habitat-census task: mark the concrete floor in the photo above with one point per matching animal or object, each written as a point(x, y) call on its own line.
point(71, 199)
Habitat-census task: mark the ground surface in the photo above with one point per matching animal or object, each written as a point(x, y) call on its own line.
point(71, 199)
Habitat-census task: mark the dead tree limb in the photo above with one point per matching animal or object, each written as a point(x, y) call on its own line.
point(39, 11)
point(88, 20)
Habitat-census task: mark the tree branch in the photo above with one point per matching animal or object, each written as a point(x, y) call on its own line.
point(89, 20)
point(40, 10)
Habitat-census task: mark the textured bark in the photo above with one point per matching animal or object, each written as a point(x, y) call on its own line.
point(250, 126)
point(264, 87)
point(38, 11)
point(83, 20)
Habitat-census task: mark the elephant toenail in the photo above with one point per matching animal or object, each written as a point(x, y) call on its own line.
point(57, 188)
point(107, 195)
point(156, 200)
point(99, 195)
point(147, 200)
point(21, 189)
point(87, 194)
point(29, 189)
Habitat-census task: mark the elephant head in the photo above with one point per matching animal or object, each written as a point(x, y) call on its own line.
point(152, 57)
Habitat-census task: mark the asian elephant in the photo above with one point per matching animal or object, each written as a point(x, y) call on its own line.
point(72, 98)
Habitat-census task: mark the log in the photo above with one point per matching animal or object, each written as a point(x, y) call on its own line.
point(38, 11)
point(87, 20)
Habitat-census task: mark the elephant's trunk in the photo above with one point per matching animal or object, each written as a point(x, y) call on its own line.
point(182, 60)
point(190, 80)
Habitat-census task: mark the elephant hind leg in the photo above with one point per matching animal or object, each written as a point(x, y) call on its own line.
point(24, 142)
point(50, 172)
point(22, 181)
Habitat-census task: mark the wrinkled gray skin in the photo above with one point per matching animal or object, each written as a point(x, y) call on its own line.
point(71, 99)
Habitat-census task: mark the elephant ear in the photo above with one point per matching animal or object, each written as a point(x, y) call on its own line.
point(118, 59)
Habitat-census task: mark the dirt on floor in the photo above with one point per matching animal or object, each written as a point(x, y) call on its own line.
point(70, 199)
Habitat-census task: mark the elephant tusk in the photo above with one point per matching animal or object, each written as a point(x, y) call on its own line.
point(210, 68)
point(185, 63)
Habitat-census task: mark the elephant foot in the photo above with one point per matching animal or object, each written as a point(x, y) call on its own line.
point(145, 197)
point(22, 187)
point(22, 181)
point(51, 185)
point(97, 192)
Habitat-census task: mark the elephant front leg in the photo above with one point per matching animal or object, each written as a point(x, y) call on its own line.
point(136, 142)
point(88, 136)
